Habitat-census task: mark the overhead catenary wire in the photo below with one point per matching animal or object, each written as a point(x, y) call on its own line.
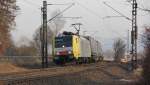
point(117, 11)
point(121, 36)
point(61, 12)
point(60, 4)
point(148, 10)
point(87, 9)
point(37, 7)
point(98, 2)
point(142, 3)
point(111, 30)
point(31, 3)
point(140, 8)
point(122, 15)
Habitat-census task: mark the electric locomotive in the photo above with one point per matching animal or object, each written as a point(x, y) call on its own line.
point(70, 47)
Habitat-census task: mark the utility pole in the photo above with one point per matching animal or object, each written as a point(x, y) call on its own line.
point(43, 32)
point(44, 37)
point(128, 42)
point(77, 28)
point(134, 35)
point(134, 31)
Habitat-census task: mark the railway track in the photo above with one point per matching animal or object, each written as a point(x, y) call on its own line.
point(41, 76)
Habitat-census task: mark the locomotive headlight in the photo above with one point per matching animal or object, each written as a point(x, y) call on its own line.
point(57, 53)
point(69, 52)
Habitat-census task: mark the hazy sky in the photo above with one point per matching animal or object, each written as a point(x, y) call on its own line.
point(93, 13)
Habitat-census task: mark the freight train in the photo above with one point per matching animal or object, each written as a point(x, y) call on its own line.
point(70, 47)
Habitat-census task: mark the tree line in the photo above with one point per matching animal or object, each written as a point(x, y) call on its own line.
point(8, 13)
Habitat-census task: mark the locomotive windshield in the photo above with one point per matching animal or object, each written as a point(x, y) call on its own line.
point(63, 41)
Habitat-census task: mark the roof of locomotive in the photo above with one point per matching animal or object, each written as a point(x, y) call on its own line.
point(65, 33)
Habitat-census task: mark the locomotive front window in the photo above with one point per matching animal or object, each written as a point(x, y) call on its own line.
point(65, 41)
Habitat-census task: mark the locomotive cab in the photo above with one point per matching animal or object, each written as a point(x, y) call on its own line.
point(63, 51)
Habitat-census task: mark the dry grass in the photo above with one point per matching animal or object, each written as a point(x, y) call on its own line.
point(105, 73)
point(10, 68)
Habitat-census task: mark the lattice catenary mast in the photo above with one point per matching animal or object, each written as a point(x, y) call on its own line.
point(134, 35)
point(44, 37)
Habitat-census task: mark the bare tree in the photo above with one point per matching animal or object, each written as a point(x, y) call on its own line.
point(53, 28)
point(37, 38)
point(26, 48)
point(59, 22)
point(108, 55)
point(7, 15)
point(119, 49)
point(146, 65)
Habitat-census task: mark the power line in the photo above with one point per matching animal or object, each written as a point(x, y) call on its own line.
point(148, 10)
point(112, 29)
point(117, 11)
point(28, 5)
point(31, 3)
point(142, 3)
point(87, 9)
point(98, 2)
point(61, 4)
point(140, 8)
point(61, 12)
point(37, 7)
